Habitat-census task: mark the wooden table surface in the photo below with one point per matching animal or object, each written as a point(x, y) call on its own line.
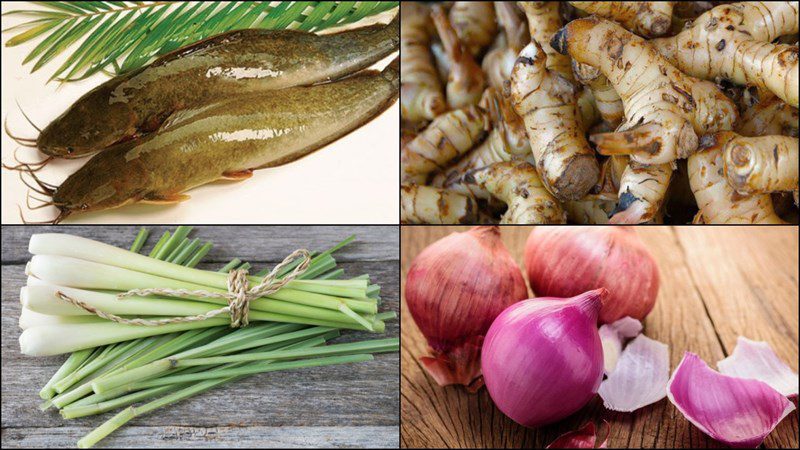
point(717, 283)
point(354, 405)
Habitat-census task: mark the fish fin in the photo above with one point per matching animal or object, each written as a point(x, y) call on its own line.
point(238, 175)
point(164, 199)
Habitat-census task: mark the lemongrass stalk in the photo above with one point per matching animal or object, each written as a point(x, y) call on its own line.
point(287, 268)
point(100, 403)
point(247, 369)
point(174, 241)
point(43, 298)
point(58, 339)
point(316, 258)
point(234, 263)
point(125, 395)
point(75, 411)
point(351, 289)
point(106, 365)
point(223, 346)
point(72, 363)
point(371, 346)
point(95, 398)
point(29, 318)
point(332, 275)
point(66, 338)
point(71, 272)
point(350, 313)
point(177, 250)
point(185, 340)
point(199, 255)
point(373, 290)
point(244, 266)
point(157, 368)
point(76, 247)
point(318, 267)
point(161, 241)
point(135, 247)
point(111, 355)
point(103, 431)
point(141, 238)
point(88, 369)
point(186, 252)
point(129, 413)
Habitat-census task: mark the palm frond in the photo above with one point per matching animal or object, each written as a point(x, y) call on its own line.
point(122, 36)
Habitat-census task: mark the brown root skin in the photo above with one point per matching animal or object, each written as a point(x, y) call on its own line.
point(768, 117)
point(719, 203)
point(548, 103)
point(421, 96)
point(499, 60)
point(642, 192)
point(647, 19)
point(734, 42)
point(506, 140)
point(475, 24)
point(425, 204)
point(663, 122)
point(448, 137)
point(544, 21)
point(590, 210)
point(758, 165)
point(517, 183)
point(466, 81)
point(609, 105)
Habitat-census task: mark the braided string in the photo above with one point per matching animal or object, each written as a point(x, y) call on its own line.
point(239, 295)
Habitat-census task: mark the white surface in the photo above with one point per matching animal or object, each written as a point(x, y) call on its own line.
point(353, 180)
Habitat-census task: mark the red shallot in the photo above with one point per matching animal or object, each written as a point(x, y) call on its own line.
point(542, 358)
point(565, 261)
point(455, 289)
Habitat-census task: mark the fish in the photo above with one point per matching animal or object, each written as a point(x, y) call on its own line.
point(226, 140)
point(241, 62)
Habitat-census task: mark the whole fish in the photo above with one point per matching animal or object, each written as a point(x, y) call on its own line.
point(227, 140)
point(234, 63)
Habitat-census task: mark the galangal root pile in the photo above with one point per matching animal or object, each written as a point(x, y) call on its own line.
point(599, 112)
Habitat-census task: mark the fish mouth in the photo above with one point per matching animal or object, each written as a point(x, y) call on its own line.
point(61, 152)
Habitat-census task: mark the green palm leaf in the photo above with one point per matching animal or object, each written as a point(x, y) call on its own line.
point(118, 37)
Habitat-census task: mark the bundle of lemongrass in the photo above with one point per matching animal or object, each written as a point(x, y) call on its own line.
point(117, 364)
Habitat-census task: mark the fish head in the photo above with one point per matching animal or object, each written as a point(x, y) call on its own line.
point(105, 182)
point(88, 126)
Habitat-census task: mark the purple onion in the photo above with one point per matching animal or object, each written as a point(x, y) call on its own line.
point(542, 359)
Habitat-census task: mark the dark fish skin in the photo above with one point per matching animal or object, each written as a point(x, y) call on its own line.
point(228, 140)
point(240, 62)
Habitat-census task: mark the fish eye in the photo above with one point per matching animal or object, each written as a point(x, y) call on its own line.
point(70, 150)
point(84, 206)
